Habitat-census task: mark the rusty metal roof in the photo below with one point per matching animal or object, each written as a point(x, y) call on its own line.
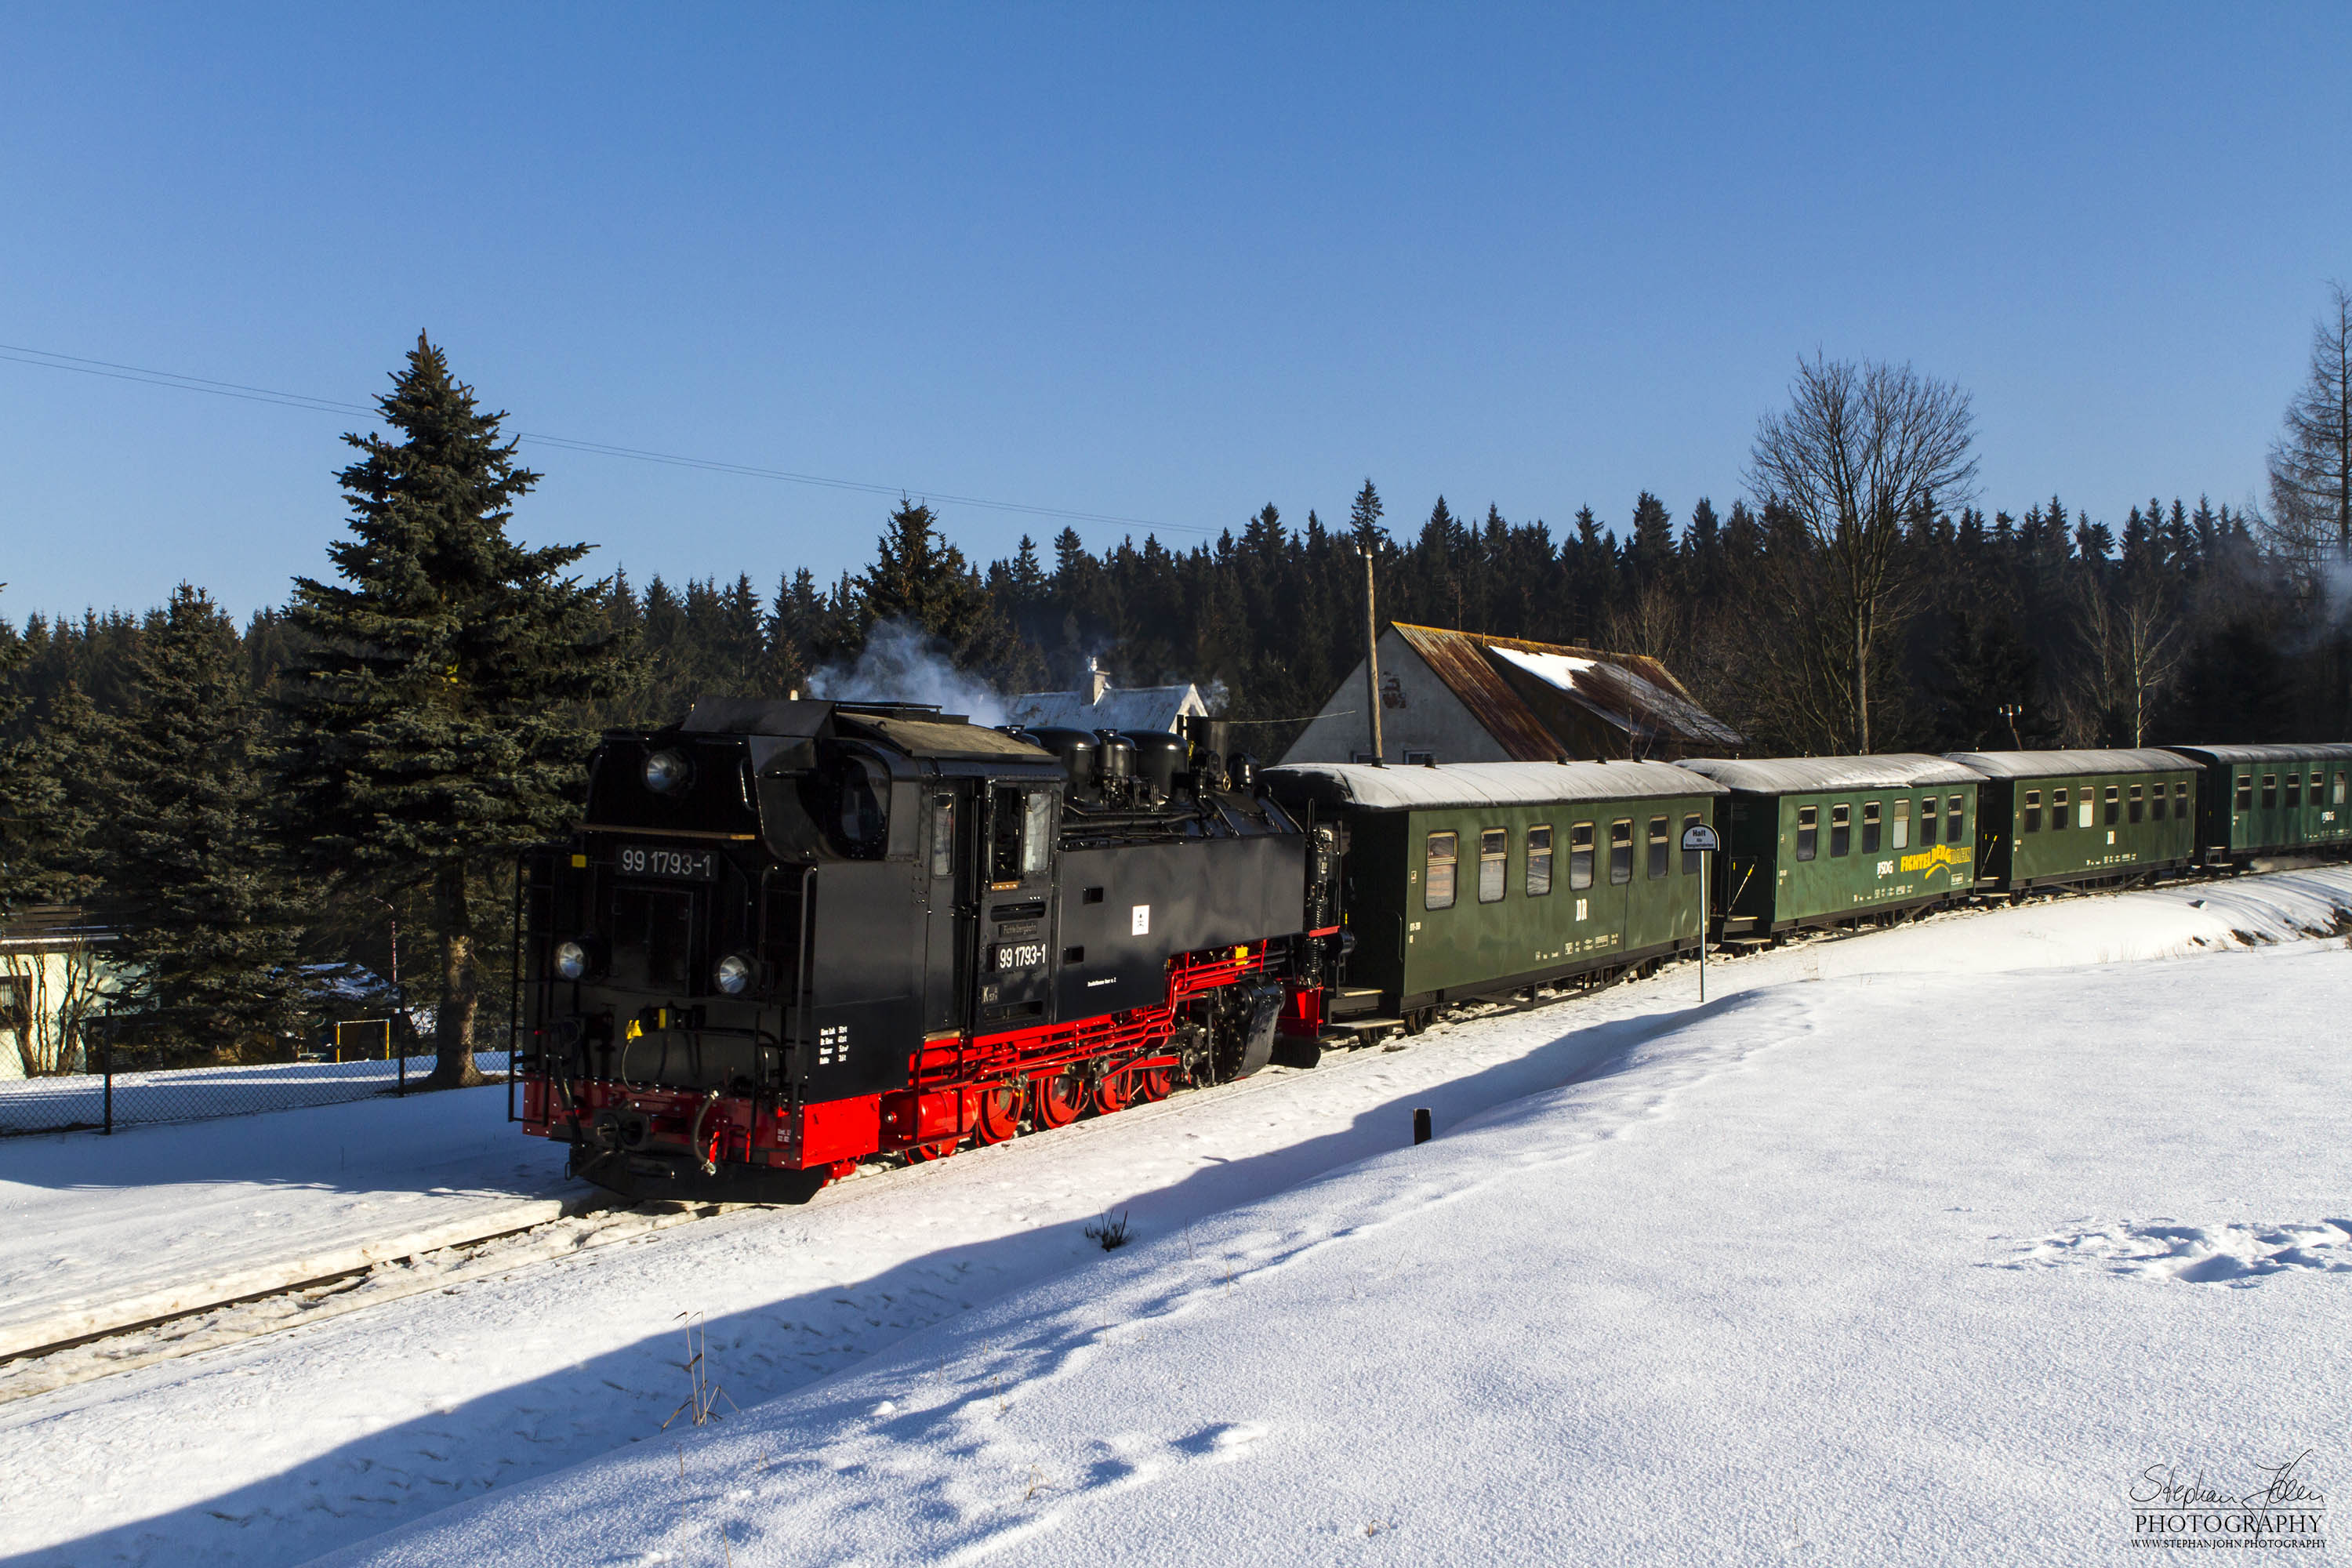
point(1632, 693)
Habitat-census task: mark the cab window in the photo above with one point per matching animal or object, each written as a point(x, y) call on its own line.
point(1437, 877)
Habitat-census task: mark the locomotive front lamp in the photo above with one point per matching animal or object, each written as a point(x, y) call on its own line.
point(571, 960)
point(733, 975)
point(666, 772)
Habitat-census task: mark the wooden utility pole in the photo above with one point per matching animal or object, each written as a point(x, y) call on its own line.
point(1371, 658)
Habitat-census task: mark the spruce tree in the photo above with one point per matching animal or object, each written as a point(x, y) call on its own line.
point(920, 580)
point(433, 708)
point(210, 929)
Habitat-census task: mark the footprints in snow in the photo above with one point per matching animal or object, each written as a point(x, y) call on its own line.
point(2237, 1254)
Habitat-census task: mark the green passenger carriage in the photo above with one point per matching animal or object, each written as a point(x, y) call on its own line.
point(2048, 819)
point(1480, 879)
point(1811, 841)
point(2269, 800)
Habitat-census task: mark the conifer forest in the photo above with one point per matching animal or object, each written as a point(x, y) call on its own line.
point(259, 811)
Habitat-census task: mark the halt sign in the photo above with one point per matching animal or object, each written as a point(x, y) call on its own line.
point(1698, 836)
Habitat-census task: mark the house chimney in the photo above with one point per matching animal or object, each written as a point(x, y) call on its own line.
point(1096, 681)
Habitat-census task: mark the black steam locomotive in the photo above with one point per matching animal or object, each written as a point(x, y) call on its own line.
point(791, 935)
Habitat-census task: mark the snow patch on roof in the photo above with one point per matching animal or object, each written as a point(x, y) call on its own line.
point(2079, 759)
point(1789, 776)
point(1481, 783)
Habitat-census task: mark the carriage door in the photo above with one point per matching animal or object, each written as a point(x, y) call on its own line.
point(953, 907)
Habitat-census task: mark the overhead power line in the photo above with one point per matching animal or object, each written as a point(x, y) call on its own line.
point(48, 360)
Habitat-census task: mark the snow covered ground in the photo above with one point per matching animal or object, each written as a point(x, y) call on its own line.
point(1929, 1258)
point(96, 1232)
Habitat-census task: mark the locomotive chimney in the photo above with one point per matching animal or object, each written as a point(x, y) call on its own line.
point(1098, 682)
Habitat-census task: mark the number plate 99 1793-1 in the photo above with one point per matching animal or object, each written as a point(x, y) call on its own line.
point(1020, 955)
point(656, 860)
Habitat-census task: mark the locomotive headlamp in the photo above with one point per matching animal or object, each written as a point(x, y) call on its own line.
point(666, 772)
point(733, 975)
point(571, 960)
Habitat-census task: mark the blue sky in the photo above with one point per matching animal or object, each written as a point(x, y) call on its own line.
point(1161, 263)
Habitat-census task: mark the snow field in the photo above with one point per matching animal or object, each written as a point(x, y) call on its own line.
point(277, 1450)
point(1770, 1284)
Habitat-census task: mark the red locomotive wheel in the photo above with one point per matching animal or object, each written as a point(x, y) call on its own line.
point(999, 1115)
point(1055, 1101)
point(1114, 1092)
point(1149, 1084)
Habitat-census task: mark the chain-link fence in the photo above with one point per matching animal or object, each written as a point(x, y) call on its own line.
point(126, 1084)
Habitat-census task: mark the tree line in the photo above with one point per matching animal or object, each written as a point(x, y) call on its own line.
point(251, 806)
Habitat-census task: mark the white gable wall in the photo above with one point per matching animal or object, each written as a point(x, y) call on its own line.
point(1419, 713)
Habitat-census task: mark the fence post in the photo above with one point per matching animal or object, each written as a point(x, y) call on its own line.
point(402, 1091)
point(105, 1063)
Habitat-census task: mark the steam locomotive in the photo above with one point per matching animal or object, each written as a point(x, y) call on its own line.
point(789, 935)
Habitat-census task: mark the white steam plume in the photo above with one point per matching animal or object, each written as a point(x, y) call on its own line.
point(901, 663)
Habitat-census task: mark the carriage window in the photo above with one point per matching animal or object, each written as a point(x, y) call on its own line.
point(1494, 855)
point(2156, 794)
point(2057, 809)
point(1870, 827)
point(1580, 856)
point(1927, 820)
point(1538, 862)
point(2132, 806)
point(1620, 850)
point(2083, 805)
point(943, 835)
point(1437, 884)
point(1956, 822)
point(2245, 792)
point(1808, 830)
point(2114, 810)
point(2315, 788)
point(1840, 830)
point(1690, 857)
point(2336, 797)
point(2294, 792)
point(2270, 790)
point(1658, 846)
point(2031, 816)
point(2180, 794)
point(1902, 825)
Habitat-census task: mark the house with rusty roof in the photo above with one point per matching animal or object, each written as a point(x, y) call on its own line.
point(1463, 697)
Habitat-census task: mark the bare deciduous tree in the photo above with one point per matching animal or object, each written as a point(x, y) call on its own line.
point(1861, 450)
point(2135, 647)
point(2311, 463)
